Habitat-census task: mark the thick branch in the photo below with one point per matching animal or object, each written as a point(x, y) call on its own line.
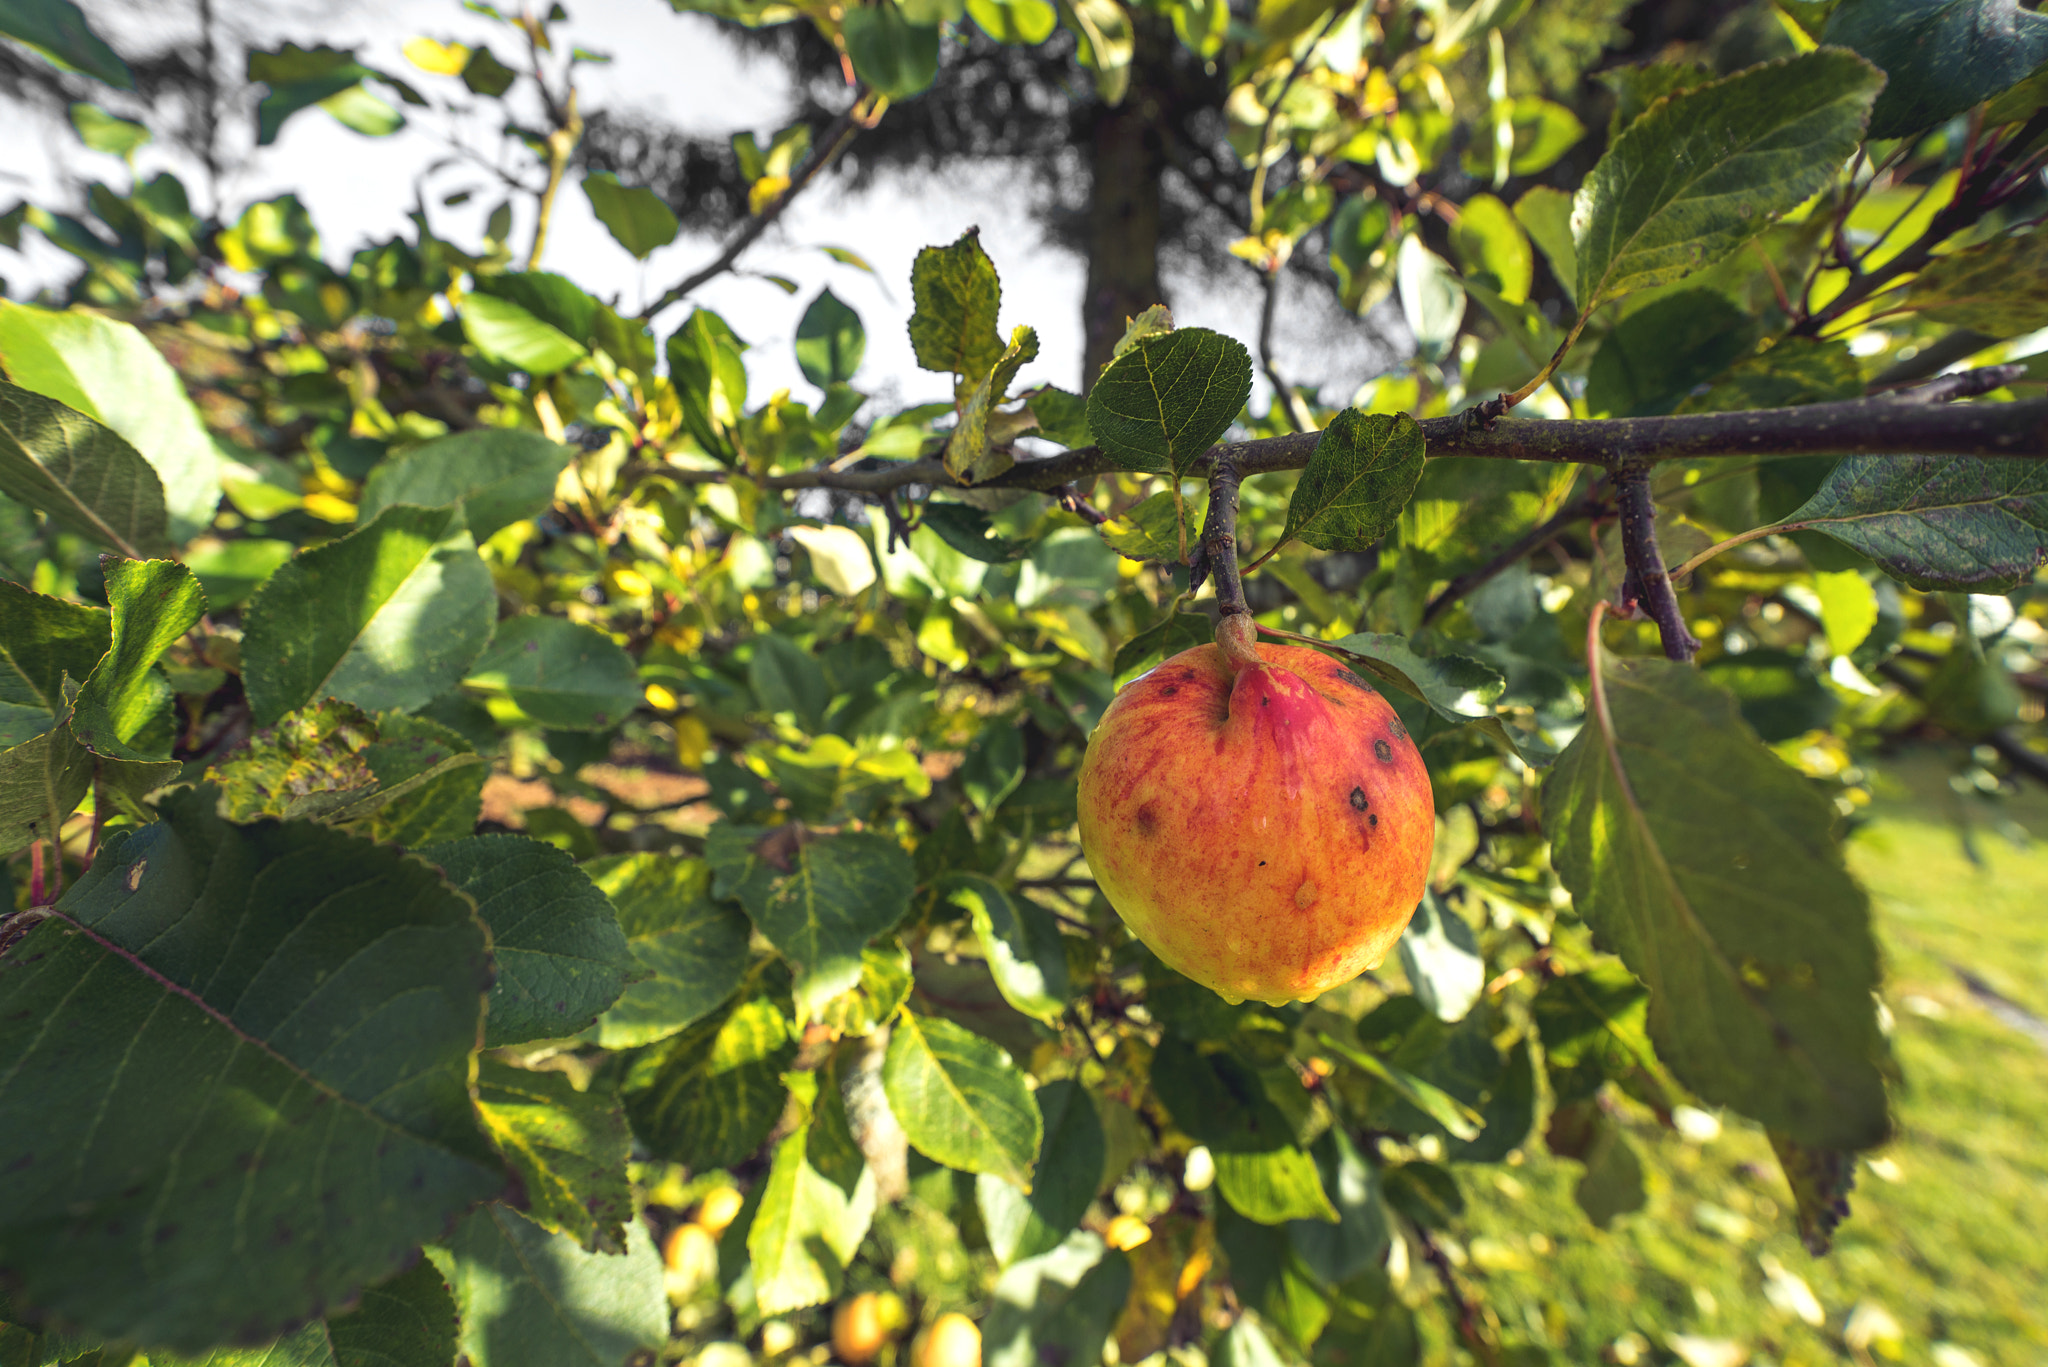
point(1646, 585)
point(837, 139)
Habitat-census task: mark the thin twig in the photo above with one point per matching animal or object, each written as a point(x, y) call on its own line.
point(1646, 584)
point(1527, 544)
point(1218, 551)
point(838, 137)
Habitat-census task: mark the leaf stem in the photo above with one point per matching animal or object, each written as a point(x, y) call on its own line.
point(1741, 538)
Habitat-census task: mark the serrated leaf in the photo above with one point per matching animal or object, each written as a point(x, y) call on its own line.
point(1062, 417)
point(1361, 474)
point(829, 341)
point(43, 641)
point(390, 615)
point(1941, 56)
point(556, 673)
point(568, 1147)
point(408, 1321)
point(500, 476)
point(634, 215)
point(960, 1099)
point(818, 900)
point(1160, 406)
point(708, 1097)
point(971, 456)
point(1068, 1174)
point(1027, 955)
point(1440, 956)
point(1220, 1102)
point(42, 781)
point(805, 1230)
point(561, 956)
point(109, 371)
point(1711, 868)
point(1161, 528)
point(153, 602)
point(531, 1298)
point(1821, 1180)
point(1057, 1307)
point(1457, 687)
point(692, 950)
point(885, 982)
point(967, 530)
point(1994, 287)
point(1938, 522)
point(279, 1019)
point(1703, 172)
point(955, 296)
point(83, 474)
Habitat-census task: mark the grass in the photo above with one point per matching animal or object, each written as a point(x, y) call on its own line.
point(1947, 1231)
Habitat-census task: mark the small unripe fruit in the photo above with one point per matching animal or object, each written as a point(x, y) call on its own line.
point(718, 1208)
point(1258, 816)
point(952, 1341)
point(857, 1330)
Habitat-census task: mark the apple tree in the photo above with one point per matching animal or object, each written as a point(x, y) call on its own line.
point(524, 848)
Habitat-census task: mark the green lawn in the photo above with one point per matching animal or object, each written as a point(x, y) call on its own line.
point(1949, 1231)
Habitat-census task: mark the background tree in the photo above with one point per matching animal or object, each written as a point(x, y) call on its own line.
point(525, 849)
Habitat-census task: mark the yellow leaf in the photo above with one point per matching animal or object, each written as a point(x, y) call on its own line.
point(330, 508)
point(438, 59)
point(764, 191)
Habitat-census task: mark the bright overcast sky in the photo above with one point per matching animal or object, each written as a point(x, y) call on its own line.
point(679, 68)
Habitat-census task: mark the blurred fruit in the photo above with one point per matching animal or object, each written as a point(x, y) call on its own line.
point(1126, 1232)
point(690, 1258)
point(857, 1332)
point(952, 1341)
point(717, 1209)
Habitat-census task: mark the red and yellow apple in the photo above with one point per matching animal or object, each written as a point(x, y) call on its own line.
point(1258, 816)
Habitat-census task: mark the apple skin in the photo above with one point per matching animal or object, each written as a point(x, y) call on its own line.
point(1264, 822)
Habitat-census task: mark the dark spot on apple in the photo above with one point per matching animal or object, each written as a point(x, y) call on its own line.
point(1358, 799)
point(1348, 677)
point(1147, 819)
point(1400, 731)
point(1373, 820)
point(1262, 863)
point(1383, 751)
point(1169, 690)
point(1265, 700)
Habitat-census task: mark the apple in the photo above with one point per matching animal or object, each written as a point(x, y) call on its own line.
point(952, 1341)
point(1258, 816)
point(863, 1324)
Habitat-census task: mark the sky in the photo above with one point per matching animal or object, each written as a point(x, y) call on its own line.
point(676, 67)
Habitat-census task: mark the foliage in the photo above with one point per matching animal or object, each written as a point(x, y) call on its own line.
point(483, 789)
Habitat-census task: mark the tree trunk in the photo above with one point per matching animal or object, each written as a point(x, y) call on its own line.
point(1127, 157)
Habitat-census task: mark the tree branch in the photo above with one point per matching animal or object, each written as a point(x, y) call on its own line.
point(1534, 540)
point(1217, 552)
point(1646, 585)
point(837, 139)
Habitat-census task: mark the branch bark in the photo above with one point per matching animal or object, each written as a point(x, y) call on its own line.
point(1217, 553)
point(1646, 585)
point(1884, 426)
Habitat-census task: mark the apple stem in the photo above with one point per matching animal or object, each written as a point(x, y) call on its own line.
point(1217, 555)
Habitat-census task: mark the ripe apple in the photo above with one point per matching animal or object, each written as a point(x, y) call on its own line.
point(952, 1341)
point(1258, 816)
point(863, 1324)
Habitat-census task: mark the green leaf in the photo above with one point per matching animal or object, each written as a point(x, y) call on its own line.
point(1463, 511)
point(1027, 955)
point(1440, 956)
point(1023, 23)
point(1595, 1026)
point(230, 1034)
point(1612, 1185)
point(1655, 357)
point(1162, 528)
point(408, 1321)
point(1941, 56)
point(1166, 637)
point(42, 781)
point(1546, 213)
point(1703, 172)
point(1057, 1307)
point(390, 615)
point(787, 678)
point(561, 956)
point(1636, 88)
point(967, 530)
point(1711, 868)
point(710, 377)
point(1432, 298)
point(993, 767)
point(1457, 687)
point(43, 641)
point(1493, 249)
point(960, 1099)
point(1244, 1344)
point(893, 56)
point(557, 673)
point(154, 603)
point(109, 371)
point(1161, 405)
point(1792, 372)
point(1220, 1102)
point(955, 296)
point(299, 78)
point(485, 75)
point(635, 216)
point(85, 476)
point(1781, 694)
point(1062, 417)
point(1359, 477)
point(232, 570)
point(806, 1229)
point(1359, 1239)
point(1938, 522)
point(818, 900)
point(1271, 1277)
point(709, 1096)
point(58, 30)
point(1994, 287)
point(691, 950)
point(970, 456)
point(507, 332)
point(885, 981)
point(500, 476)
point(1024, 1225)
point(829, 341)
point(529, 1298)
point(1821, 1180)
point(568, 1147)
point(1848, 608)
point(1457, 1119)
